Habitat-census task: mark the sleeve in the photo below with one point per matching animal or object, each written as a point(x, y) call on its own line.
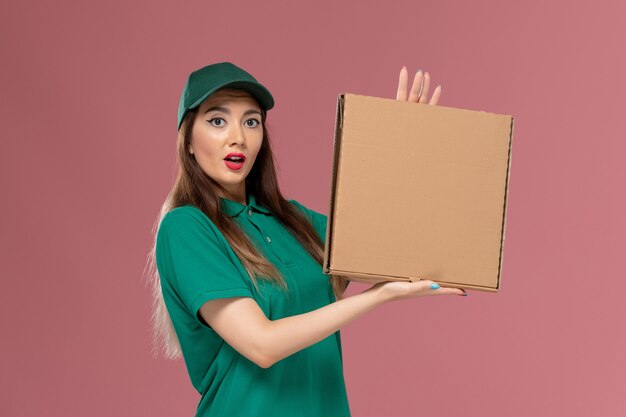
point(318, 220)
point(195, 262)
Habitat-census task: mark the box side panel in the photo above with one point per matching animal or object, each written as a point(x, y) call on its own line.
point(333, 182)
point(506, 193)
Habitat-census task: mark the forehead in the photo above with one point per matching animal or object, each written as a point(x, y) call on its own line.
point(229, 95)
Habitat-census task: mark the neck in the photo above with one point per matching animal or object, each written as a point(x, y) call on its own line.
point(239, 196)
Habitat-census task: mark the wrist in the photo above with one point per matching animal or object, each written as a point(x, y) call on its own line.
point(379, 293)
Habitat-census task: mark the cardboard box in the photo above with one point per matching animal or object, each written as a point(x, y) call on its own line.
point(418, 192)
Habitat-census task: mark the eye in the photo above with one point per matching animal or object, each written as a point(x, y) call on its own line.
point(217, 118)
point(254, 124)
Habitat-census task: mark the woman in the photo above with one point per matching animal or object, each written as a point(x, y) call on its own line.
point(236, 268)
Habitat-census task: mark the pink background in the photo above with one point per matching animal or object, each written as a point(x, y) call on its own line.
point(89, 99)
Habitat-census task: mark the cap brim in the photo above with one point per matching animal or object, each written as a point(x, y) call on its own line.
point(261, 93)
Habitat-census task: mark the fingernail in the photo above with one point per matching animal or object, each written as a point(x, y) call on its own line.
point(419, 70)
point(434, 286)
point(464, 293)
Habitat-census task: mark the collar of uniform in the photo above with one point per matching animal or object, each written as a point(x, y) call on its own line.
point(233, 208)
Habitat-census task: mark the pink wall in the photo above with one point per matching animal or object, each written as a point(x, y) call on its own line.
point(89, 100)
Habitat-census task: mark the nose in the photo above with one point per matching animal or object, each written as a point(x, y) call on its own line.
point(238, 136)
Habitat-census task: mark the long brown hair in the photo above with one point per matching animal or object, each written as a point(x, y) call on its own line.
point(194, 187)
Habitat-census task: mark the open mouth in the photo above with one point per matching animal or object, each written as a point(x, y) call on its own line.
point(234, 161)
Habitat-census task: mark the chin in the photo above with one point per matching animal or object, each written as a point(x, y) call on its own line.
point(233, 183)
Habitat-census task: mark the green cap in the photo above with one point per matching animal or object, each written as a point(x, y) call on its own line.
point(207, 80)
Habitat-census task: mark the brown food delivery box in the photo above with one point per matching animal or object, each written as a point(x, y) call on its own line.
point(418, 192)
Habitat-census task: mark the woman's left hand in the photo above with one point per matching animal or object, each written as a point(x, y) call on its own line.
point(419, 90)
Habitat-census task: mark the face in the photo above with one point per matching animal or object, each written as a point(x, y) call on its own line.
point(228, 123)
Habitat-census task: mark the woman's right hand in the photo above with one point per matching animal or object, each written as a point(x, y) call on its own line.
point(419, 89)
point(399, 290)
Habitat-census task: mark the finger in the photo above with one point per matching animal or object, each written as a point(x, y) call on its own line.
point(427, 285)
point(424, 95)
point(448, 291)
point(402, 81)
point(416, 89)
point(435, 98)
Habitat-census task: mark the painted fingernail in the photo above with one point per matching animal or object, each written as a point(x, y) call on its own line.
point(434, 286)
point(464, 293)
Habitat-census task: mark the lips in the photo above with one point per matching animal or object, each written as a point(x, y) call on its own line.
point(235, 160)
point(235, 157)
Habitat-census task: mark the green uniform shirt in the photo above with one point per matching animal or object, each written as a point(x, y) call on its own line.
point(196, 264)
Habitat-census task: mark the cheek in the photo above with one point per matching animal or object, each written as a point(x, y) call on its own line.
point(205, 145)
point(256, 150)
point(258, 142)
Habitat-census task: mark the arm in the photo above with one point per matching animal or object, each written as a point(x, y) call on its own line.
point(244, 326)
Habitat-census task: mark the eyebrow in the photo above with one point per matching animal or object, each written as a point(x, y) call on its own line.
point(225, 110)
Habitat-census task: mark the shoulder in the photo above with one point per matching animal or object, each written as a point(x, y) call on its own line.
point(186, 219)
point(184, 214)
point(297, 204)
point(307, 211)
point(318, 220)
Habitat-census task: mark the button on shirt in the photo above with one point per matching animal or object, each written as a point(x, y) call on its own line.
point(196, 264)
